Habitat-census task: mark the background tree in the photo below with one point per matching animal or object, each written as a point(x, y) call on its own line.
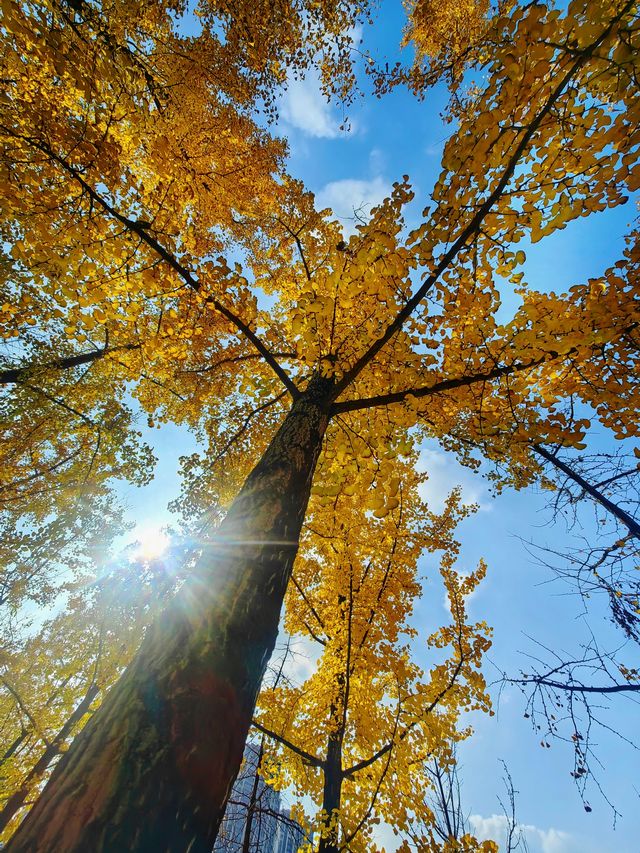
point(568, 692)
point(448, 828)
point(121, 204)
point(254, 817)
point(53, 680)
point(351, 735)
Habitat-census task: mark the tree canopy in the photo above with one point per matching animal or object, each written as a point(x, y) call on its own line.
point(158, 256)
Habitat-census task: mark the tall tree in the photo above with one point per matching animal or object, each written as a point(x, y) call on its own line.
point(130, 162)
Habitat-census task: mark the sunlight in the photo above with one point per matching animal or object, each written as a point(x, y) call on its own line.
point(152, 541)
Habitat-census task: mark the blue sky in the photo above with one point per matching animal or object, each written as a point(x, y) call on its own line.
point(388, 138)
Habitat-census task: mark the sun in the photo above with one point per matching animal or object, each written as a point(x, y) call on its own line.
point(152, 541)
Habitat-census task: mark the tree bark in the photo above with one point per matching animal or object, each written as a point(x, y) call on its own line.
point(332, 791)
point(332, 765)
point(152, 770)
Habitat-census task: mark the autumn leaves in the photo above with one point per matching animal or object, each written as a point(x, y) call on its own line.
point(146, 208)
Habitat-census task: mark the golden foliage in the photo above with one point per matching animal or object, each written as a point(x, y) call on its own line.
point(146, 209)
point(368, 714)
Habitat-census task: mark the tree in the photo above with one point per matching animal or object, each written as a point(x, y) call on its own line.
point(448, 828)
point(566, 691)
point(53, 680)
point(254, 819)
point(352, 735)
point(610, 483)
point(130, 162)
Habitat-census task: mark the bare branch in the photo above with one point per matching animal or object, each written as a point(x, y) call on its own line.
point(630, 523)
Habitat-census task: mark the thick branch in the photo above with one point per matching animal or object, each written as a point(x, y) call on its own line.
point(53, 749)
point(24, 709)
point(15, 374)
point(305, 756)
point(474, 223)
point(15, 745)
point(186, 275)
point(438, 387)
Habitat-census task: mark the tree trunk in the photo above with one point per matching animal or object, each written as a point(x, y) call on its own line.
point(152, 770)
point(16, 800)
point(332, 792)
point(12, 748)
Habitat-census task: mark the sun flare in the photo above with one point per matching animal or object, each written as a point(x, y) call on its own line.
point(151, 541)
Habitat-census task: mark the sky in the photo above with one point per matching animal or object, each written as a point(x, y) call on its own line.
point(354, 170)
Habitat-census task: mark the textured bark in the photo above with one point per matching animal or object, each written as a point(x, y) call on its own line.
point(152, 770)
point(332, 765)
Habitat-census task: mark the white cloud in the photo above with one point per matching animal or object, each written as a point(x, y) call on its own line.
point(377, 161)
point(305, 107)
point(434, 150)
point(445, 473)
point(553, 840)
point(538, 840)
point(350, 195)
point(302, 660)
point(385, 838)
point(492, 828)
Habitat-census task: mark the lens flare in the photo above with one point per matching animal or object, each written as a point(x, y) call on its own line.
point(151, 541)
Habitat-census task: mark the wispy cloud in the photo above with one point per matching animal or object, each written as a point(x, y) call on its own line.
point(445, 472)
point(434, 150)
point(539, 840)
point(385, 838)
point(494, 828)
point(304, 107)
point(352, 199)
point(377, 161)
point(302, 660)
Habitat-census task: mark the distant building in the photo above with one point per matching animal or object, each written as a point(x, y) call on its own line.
point(271, 828)
point(289, 834)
